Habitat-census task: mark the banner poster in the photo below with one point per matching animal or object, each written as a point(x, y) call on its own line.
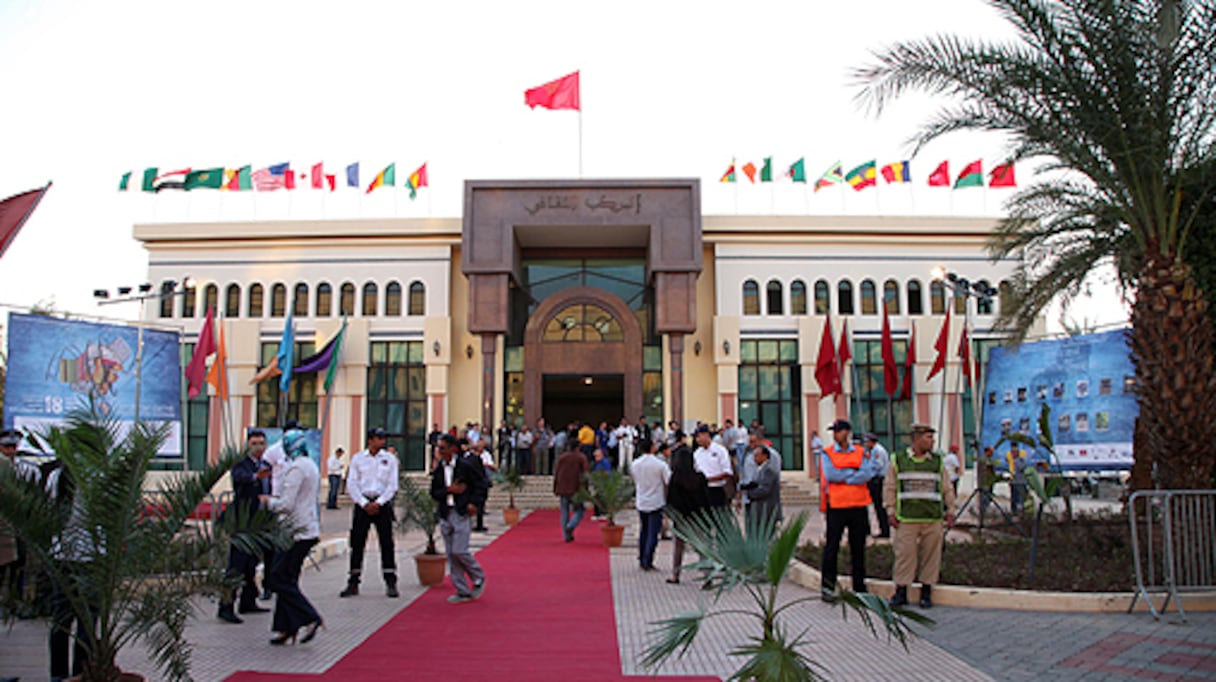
point(54, 365)
point(312, 441)
point(1088, 382)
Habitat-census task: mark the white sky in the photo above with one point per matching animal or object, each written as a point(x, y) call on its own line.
point(669, 89)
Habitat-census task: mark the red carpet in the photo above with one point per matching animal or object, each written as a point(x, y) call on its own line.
point(546, 614)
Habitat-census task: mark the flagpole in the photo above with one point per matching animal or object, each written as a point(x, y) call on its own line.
point(580, 140)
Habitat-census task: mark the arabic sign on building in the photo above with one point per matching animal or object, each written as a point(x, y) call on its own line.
point(1088, 382)
point(55, 365)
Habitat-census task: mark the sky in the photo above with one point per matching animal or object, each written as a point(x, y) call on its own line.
point(669, 89)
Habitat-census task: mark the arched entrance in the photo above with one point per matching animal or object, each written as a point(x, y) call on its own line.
point(584, 346)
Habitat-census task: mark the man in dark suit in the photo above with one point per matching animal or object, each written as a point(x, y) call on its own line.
point(249, 479)
point(459, 488)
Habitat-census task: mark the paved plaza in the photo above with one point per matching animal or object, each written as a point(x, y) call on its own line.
point(966, 644)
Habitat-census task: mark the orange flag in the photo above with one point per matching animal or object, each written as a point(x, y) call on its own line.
point(217, 376)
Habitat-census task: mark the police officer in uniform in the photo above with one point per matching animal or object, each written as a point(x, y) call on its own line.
point(845, 471)
point(920, 500)
point(371, 482)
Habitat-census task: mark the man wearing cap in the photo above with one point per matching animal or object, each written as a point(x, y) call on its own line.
point(919, 498)
point(713, 461)
point(371, 483)
point(882, 463)
point(844, 474)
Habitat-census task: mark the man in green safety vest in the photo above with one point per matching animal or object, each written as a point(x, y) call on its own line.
point(919, 498)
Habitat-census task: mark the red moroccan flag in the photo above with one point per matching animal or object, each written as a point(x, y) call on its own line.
point(559, 94)
point(844, 351)
point(196, 371)
point(827, 372)
point(890, 371)
point(909, 365)
point(964, 352)
point(940, 346)
point(14, 211)
point(940, 177)
point(1002, 176)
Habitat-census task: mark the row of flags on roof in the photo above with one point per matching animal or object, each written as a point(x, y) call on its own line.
point(833, 358)
point(866, 174)
point(268, 179)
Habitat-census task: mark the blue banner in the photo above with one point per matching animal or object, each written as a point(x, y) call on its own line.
point(54, 365)
point(1088, 382)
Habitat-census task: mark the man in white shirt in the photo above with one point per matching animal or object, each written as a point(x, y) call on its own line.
point(626, 438)
point(371, 483)
point(333, 471)
point(713, 461)
point(875, 449)
point(651, 475)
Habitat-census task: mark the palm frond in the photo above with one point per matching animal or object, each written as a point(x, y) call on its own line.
point(776, 658)
point(672, 636)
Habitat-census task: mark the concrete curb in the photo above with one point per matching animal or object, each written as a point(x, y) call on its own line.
point(1012, 600)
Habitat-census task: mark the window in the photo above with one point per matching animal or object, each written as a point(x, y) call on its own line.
point(1004, 296)
point(875, 412)
point(232, 301)
point(844, 297)
point(346, 304)
point(960, 303)
point(751, 298)
point(301, 398)
point(392, 299)
point(167, 298)
point(188, 301)
point(278, 300)
point(417, 298)
point(370, 302)
point(983, 304)
point(774, 294)
point(823, 304)
point(937, 298)
point(325, 299)
point(869, 301)
point(890, 296)
point(396, 398)
point(255, 300)
point(211, 297)
point(299, 300)
point(916, 301)
point(583, 322)
point(194, 428)
point(797, 297)
point(770, 391)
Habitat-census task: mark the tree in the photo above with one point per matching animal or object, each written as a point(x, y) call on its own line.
point(1117, 99)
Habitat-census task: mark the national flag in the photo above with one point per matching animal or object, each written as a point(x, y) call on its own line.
point(729, 175)
point(1002, 176)
point(417, 179)
point(385, 178)
point(964, 354)
point(239, 179)
point(940, 177)
point(827, 371)
point(943, 338)
point(766, 171)
point(149, 183)
point(324, 359)
point(274, 177)
point(196, 371)
point(126, 180)
point(14, 211)
point(352, 175)
point(211, 178)
point(845, 350)
point(890, 371)
point(909, 365)
point(797, 171)
point(972, 176)
point(286, 355)
point(171, 180)
point(217, 376)
point(559, 94)
point(833, 175)
point(862, 176)
point(899, 171)
point(749, 169)
point(319, 179)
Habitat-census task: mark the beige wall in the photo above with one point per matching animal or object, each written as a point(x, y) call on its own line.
point(464, 380)
point(700, 372)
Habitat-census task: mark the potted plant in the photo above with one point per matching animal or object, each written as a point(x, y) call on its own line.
point(418, 511)
point(609, 491)
point(512, 482)
point(131, 563)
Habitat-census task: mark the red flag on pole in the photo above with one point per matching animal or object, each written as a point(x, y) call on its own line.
point(217, 376)
point(844, 350)
point(909, 365)
point(14, 211)
point(196, 371)
point(890, 371)
point(940, 177)
point(943, 339)
point(827, 372)
point(559, 94)
point(964, 352)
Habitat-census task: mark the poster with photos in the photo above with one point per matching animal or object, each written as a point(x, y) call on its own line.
point(1089, 384)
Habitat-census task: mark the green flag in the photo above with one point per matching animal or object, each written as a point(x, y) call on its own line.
point(797, 171)
point(126, 180)
point(766, 173)
point(149, 180)
point(211, 178)
point(333, 363)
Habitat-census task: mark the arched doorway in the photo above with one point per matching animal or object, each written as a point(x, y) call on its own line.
point(582, 358)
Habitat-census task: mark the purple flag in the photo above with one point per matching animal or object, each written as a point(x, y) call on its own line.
point(321, 359)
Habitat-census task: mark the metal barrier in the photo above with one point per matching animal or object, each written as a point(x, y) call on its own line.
point(1174, 543)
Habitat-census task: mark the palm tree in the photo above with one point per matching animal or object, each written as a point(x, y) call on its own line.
point(1117, 98)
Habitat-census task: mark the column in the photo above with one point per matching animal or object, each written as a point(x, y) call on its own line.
point(489, 344)
point(676, 345)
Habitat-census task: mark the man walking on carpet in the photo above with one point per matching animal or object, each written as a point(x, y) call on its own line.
point(459, 488)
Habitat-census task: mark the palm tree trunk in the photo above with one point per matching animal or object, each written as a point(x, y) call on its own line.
point(1172, 344)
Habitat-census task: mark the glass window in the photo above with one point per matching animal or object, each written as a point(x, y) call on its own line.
point(370, 302)
point(392, 299)
point(325, 299)
point(770, 392)
point(346, 304)
point(299, 304)
point(823, 304)
point(875, 411)
point(417, 298)
point(1004, 296)
point(211, 298)
point(890, 296)
point(301, 398)
point(194, 430)
point(774, 295)
point(960, 303)
point(797, 297)
point(189, 297)
point(396, 399)
point(167, 298)
point(983, 304)
point(916, 300)
point(937, 298)
point(583, 322)
point(278, 300)
point(751, 298)
point(869, 304)
point(844, 297)
point(255, 300)
point(232, 301)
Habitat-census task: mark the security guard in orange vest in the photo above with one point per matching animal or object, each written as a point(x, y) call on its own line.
point(844, 498)
point(919, 498)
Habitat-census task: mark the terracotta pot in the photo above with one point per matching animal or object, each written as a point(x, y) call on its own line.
point(430, 568)
point(510, 516)
point(612, 535)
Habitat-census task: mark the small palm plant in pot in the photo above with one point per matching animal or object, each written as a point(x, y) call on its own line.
point(610, 492)
point(418, 511)
point(512, 482)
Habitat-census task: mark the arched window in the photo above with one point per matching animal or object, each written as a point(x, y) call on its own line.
point(1004, 296)
point(983, 304)
point(299, 303)
point(255, 300)
point(890, 296)
point(417, 298)
point(211, 297)
point(823, 302)
point(797, 297)
point(869, 301)
point(392, 299)
point(167, 298)
point(583, 322)
point(370, 299)
point(937, 298)
point(188, 302)
point(960, 302)
point(916, 301)
point(346, 301)
point(773, 294)
point(325, 300)
point(278, 300)
point(232, 301)
point(751, 298)
point(844, 297)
